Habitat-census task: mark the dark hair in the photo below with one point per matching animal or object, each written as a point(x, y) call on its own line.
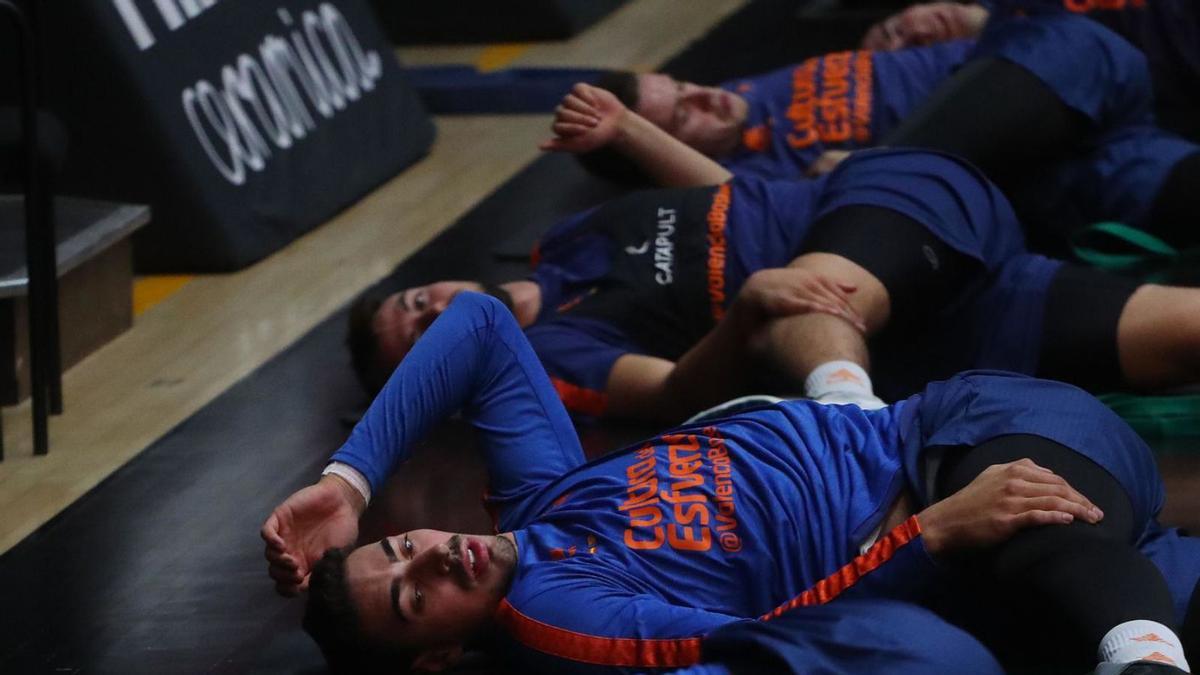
point(364, 344)
point(331, 619)
point(607, 162)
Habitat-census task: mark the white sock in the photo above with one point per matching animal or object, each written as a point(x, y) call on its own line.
point(1142, 641)
point(841, 382)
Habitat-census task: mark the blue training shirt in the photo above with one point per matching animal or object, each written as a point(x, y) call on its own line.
point(841, 101)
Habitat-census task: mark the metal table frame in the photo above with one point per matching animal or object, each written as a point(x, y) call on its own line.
point(44, 358)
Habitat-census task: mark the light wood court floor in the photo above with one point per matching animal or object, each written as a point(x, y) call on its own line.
point(216, 329)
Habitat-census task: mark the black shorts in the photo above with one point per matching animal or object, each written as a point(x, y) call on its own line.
point(1079, 331)
point(921, 273)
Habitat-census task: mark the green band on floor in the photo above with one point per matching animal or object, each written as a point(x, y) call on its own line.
point(1122, 249)
point(1158, 416)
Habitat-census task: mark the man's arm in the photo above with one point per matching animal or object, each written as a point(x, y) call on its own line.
point(474, 358)
point(721, 365)
point(926, 24)
point(1001, 501)
point(590, 118)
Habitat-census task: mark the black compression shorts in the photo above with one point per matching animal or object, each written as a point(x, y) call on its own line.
point(920, 271)
point(1079, 333)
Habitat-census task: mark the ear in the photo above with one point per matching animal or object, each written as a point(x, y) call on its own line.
point(437, 660)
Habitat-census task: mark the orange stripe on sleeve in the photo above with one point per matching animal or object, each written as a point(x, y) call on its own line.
point(579, 399)
point(604, 651)
point(835, 584)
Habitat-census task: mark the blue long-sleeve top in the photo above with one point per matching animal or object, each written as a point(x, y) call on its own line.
point(627, 561)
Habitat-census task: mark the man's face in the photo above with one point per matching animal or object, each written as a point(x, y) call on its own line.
point(429, 588)
point(404, 316)
point(707, 118)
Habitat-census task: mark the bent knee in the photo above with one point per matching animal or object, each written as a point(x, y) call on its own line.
point(1158, 337)
point(870, 297)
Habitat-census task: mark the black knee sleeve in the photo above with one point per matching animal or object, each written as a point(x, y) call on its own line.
point(998, 116)
point(1079, 580)
point(1079, 328)
point(1190, 634)
point(962, 466)
point(920, 272)
point(1174, 217)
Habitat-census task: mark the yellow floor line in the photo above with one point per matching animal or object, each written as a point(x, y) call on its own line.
point(151, 290)
point(495, 57)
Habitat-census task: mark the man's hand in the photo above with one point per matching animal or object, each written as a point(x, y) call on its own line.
point(302, 528)
point(1001, 501)
point(827, 162)
point(786, 291)
point(926, 24)
point(588, 118)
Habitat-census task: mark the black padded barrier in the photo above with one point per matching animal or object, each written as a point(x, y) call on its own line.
point(430, 21)
point(243, 124)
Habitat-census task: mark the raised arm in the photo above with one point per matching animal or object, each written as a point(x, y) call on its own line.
point(591, 118)
point(473, 358)
point(926, 24)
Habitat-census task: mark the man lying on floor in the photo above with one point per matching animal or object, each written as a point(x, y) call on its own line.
point(665, 302)
point(1057, 110)
point(1167, 31)
point(985, 482)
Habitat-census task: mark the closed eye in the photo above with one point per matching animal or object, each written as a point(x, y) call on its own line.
point(395, 588)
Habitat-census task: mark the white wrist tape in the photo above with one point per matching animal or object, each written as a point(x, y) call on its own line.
point(352, 476)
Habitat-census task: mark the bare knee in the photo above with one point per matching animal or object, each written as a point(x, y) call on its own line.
point(788, 348)
point(1158, 337)
point(870, 298)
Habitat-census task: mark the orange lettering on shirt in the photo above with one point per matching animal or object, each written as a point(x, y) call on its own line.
point(641, 502)
point(718, 215)
point(800, 111)
point(864, 83)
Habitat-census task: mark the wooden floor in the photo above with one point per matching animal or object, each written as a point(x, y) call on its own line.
point(204, 334)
